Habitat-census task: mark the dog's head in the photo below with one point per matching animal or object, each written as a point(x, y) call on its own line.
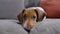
point(30, 16)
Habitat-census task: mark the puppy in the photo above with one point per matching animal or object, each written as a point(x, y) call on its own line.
point(30, 16)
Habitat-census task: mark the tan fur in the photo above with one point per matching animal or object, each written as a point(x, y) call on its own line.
point(29, 17)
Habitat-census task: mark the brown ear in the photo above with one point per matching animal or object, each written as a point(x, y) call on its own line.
point(20, 15)
point(40, 14)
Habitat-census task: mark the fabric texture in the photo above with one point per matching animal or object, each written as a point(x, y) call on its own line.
point(10, 8)
point(48, 26)
point(52, 7)
point(11, 27)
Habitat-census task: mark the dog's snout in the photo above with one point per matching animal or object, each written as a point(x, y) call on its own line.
point(29, 24)
point(27, 30)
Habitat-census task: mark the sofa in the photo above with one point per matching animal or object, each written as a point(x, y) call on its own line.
point(51, 25)
point(9, 22)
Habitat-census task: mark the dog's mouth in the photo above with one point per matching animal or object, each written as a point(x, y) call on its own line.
point(28, 30)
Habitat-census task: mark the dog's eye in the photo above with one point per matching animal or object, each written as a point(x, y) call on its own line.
point(24, 17)
point(33, 17)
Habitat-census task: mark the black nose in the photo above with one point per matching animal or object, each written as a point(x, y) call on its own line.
point(27, 30)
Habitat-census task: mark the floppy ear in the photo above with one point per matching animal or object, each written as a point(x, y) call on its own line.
point(40, 14)
point(19, 16)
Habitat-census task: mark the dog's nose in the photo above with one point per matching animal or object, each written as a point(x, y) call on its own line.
point(28, 30)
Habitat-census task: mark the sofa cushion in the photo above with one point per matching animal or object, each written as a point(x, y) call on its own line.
point(52, 8)
point(11, 27)
point(48, 26)
point(10, 8)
